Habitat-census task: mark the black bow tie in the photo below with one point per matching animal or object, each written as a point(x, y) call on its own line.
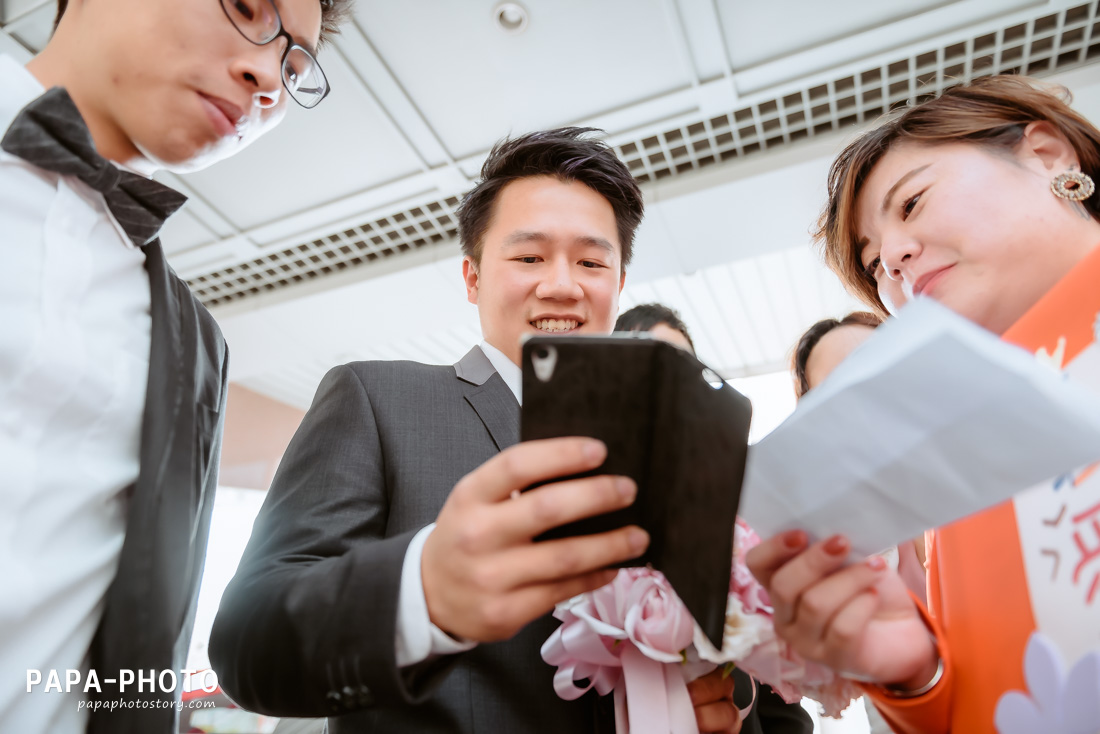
point(50, 133)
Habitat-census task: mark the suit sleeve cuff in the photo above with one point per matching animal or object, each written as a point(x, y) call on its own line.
point(417, 639)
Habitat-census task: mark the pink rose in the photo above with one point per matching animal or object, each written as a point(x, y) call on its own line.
point(656, 620)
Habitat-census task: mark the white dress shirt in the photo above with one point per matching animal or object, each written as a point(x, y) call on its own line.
point(417, 638)
point(74, 364)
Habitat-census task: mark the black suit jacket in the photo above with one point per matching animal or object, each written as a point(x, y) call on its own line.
point(307, 626)
point(150, 605)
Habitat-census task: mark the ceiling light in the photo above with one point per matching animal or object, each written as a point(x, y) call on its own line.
point(510, 17)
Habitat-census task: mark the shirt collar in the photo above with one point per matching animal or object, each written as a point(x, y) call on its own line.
point(18, 88)
point(506, 368)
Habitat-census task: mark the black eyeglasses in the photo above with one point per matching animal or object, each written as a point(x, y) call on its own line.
point(259, 22)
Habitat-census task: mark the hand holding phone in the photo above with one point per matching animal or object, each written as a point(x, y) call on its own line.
point(669, 423)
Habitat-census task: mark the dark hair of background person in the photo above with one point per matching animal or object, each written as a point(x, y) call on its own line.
point(991, 112)
point(333, 15)
point(566, 154)
point(813, 335)
point(647, 315)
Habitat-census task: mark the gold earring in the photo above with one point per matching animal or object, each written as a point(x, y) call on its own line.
point(1073, 185)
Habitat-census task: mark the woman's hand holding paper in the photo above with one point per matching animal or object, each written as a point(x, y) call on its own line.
point(856, 618)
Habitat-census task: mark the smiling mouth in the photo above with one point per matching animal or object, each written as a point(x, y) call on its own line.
point(555, 326)
point(930, 281)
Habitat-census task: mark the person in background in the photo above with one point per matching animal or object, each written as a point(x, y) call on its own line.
point(770, 714)
point(660, 321)
point(984, 200)
point(112, 374)
point(825, 345)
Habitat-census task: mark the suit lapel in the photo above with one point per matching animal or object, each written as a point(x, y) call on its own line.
point(159, 428)
point(166, 358)
point(490, 398)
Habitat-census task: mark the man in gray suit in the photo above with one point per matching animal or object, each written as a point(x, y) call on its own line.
point(391, 578)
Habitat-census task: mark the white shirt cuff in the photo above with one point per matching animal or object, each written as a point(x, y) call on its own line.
point(417, 638)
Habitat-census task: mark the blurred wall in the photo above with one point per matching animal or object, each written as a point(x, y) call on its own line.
point(257, 431)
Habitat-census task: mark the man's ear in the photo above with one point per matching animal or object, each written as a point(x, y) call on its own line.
point(1045, 145)
point(470, 274)
point(622, 282)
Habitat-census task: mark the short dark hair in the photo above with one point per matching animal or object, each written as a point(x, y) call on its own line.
point(333, 15)
point(648, 315)
point(566, 154)
point(813, 335)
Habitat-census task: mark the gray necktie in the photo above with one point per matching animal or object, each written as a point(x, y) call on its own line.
point(50, 133)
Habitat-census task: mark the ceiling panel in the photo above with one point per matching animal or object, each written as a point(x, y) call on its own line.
point(747, 215)
point(576, 59)
point(802, 24)
point(707, 313)
point(183, 231)
point(29, 21)
point(13, 9)
point(341, 147)
point(676, 293)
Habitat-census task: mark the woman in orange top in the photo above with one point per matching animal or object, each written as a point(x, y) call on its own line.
point(983, 200)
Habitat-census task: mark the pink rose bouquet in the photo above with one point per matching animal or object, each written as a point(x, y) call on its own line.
point(636, 639)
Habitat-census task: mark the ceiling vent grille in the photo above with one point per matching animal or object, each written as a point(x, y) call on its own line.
point(1039, 46)
point(365, 243)
point(1043, 45)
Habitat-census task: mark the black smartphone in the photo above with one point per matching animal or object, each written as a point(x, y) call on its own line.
point(671, 424)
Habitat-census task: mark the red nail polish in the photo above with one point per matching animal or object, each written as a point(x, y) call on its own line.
point(794, 539)
point(836, 545)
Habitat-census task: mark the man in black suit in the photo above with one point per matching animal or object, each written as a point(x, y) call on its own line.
point(391, 580)
point(112, 375)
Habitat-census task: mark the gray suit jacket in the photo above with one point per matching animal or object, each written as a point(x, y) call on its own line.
point(307, 626)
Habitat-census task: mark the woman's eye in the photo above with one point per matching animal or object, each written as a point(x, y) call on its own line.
point(907, 208)
point(530, 259)
point(872, 268)
point(244, 10)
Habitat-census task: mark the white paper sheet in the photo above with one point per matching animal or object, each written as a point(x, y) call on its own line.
point(930, 420)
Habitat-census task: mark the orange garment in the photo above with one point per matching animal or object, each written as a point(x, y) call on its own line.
point(979, 606)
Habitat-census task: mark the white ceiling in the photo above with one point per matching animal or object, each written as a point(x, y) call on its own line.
point(687, 91)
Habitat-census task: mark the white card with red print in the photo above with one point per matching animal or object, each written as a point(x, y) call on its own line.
point(1059, 527)
point(930, 420)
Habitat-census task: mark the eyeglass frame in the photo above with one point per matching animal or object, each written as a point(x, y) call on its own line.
point(291, 44)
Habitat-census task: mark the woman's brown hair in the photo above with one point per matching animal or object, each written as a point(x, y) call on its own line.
point(806, 343)
point(992, 112)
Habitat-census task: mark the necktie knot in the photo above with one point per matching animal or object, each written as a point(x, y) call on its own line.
point(51, 134)
point(103, 176)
